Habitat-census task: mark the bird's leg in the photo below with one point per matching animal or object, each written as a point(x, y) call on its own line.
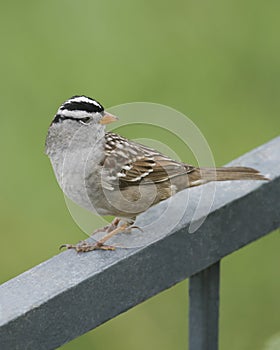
point(125, 227)
point(108, 228)
point(100, 244)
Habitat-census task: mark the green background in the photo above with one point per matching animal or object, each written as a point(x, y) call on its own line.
point(215, 61)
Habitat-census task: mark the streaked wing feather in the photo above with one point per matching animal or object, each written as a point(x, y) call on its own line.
point(132, 162)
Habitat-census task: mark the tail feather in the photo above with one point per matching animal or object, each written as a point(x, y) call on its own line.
point(204, 175)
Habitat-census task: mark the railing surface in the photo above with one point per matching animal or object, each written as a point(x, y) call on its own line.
point(72, 293)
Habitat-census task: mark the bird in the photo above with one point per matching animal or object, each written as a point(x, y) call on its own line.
point(112, 175)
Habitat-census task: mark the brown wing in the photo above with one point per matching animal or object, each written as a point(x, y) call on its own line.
point(130, 162)
point(159, 170)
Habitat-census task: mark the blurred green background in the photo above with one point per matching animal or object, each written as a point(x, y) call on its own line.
point(217, 62)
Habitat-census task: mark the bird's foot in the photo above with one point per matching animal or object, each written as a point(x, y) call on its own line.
point(83, 246)
point(111, 230)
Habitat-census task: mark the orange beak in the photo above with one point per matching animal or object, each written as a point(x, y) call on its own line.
point(108, 118)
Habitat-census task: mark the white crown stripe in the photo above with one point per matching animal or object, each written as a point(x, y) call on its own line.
point(84, 99)
point(73, 114)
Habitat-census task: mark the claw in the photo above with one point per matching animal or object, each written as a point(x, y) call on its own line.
point(129, 228)
point(67, 246)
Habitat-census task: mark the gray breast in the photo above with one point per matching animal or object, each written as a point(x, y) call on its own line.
point(76, 157)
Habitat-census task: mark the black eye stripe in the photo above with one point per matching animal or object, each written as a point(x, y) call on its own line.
point(59, 118)
point(84, 120)
point(82, 106)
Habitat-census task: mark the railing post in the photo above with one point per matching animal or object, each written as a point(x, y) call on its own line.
point(204, 309)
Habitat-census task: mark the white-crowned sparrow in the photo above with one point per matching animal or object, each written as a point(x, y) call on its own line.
point(111, 175)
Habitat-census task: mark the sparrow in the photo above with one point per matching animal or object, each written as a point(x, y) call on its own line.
point(111, 175)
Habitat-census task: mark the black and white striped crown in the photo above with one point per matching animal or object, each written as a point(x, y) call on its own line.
point(78, 105)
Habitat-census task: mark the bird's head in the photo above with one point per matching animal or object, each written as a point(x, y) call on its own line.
point(82, 110)
point(80, 122)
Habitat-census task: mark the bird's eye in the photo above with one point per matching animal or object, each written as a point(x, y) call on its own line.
point(85, 120)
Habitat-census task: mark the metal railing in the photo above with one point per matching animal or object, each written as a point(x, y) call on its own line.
point(49, 305)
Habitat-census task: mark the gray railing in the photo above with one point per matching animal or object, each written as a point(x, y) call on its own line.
point(72, 293)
